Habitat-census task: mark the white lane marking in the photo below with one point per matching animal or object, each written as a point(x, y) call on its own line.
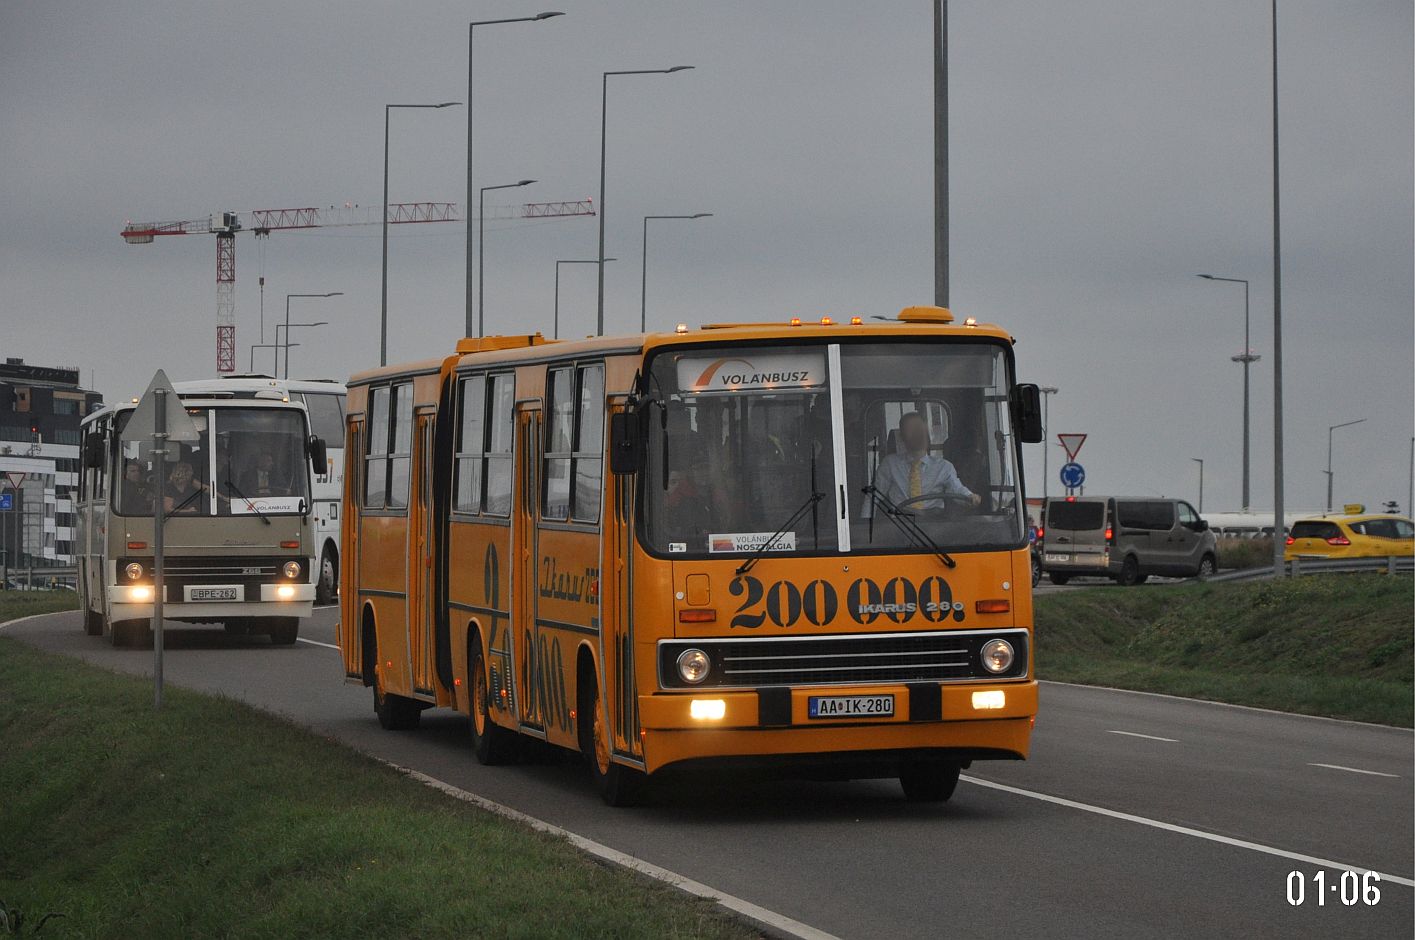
point(770, 919)
point(1150, 737)
point(1184, 830)
point(1246, 708)
point(1354, 770)
point(329, 646)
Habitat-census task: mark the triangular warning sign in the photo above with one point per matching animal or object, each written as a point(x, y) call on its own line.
point(1072, 443)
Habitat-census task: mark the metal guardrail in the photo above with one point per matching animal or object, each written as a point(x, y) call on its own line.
point(39, 577)
point(1301, 566)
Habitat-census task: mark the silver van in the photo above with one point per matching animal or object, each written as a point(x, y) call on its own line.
point(1125, 539)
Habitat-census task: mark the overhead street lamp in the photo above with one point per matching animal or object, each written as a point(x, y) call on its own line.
point(603, 107)
point(556, 328)
point(481, 248)
point(336, 293)
point(1247, 357)
point(288, 344)
point(644, 268)
point(254, 346)
point(1200, 462)
point(1279, 522)
point(383, 309)
point(1344, 424)
point(1047, 391)
point(471, 32)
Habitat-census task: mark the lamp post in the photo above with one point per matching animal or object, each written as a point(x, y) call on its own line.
point(1344, 424)
point(254, 346)
point(555, 334)
point(1279, 527)
point(1200, 462)
point(603, 107)
point(471, 32)
point(330, 294)
point(287, 344)
point(481, 248)
point(941, 152)
point(644, 267)
point(1047, 391)
point(383, 314)
point(1246, 357)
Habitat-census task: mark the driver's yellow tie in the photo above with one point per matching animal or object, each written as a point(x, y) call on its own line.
point(916, 479)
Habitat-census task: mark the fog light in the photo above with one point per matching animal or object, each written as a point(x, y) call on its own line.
point(997, 656)
point(987, 700)
point(133, 570)
point(285, 592)
point(707, 709)
point(140, 593)
point(694, 666)
point(291, 569)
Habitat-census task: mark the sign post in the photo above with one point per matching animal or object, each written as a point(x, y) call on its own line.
point(161, 417)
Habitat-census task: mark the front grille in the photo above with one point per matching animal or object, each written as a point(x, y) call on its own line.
point(209, 568)
point(843, 660)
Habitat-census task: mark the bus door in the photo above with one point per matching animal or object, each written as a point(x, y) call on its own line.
point(349, 614)
point(617, 622)
point(524, 629)
point(421, 607)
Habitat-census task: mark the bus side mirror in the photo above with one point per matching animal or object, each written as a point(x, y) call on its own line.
point(1027, 414)
point(626, 442)
point(93, 452)
point(318, 457)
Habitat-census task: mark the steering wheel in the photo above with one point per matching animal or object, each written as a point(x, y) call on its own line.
point(948, 499)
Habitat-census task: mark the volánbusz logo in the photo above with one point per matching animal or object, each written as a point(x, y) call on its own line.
point(734, 373)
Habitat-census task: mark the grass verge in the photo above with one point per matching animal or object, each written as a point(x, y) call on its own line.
point(17, 604)
point(1333, 645)
point(210, 819)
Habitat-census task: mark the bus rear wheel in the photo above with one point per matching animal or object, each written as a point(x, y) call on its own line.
point(618, 785)
point(491, 743)
point(928, 781)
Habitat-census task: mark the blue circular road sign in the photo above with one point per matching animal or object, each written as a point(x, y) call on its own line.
point(1073, 475)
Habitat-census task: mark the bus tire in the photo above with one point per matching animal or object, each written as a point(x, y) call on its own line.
point(284, 631)
point(132, 634)
point(327, 586)
point(491, 743)
point(618, 785)
point(93, 622)
point(928, 781)
point(395, 713)
point(1130, 571)
point(1059, 579)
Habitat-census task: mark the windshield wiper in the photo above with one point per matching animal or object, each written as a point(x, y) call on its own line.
point(907, 525)
point(231, 485)
point(756, 555)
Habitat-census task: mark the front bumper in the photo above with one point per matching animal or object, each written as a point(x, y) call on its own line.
point(126, 602)
point(761, 723)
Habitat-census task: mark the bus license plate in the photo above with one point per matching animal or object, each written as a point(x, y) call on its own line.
point(214, 592)
point(850, 706)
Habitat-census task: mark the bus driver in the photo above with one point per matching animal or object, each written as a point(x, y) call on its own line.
point(902, 478)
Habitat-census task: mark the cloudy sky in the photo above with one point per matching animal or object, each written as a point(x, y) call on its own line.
point(1103, 152)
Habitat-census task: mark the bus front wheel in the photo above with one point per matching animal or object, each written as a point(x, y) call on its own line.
point(395, 713)
point(93, 622)
point(491, 743)
point(928, 782)
point(284, 631)
point(617, 784)
point(328, 584)
point(135, 634)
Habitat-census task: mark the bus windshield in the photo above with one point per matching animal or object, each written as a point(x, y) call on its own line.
point(256, 466)
point(863, 447)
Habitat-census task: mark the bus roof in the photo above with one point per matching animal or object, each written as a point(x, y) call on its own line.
point(912, 322)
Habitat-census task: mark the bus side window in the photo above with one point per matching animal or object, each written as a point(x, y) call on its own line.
point(471, 442)
point(376, 463)
point(499, 468)
point(400, 456)
point(574, 448)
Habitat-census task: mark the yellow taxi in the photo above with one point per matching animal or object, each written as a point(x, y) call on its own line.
point(1351, 535)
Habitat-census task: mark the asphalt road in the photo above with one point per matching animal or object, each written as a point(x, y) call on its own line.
point(856, 860)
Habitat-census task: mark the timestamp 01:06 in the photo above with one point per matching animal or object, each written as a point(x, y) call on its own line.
point(1349, 888)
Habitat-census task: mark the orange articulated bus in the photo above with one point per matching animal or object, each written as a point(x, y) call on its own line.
point(793, 544)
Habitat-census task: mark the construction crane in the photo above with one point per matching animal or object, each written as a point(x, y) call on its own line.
point(261, 222)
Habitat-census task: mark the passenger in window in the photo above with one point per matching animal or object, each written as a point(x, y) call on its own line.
point(915, 474)
point(136, 495)
point(183, 490)
point(262, 479)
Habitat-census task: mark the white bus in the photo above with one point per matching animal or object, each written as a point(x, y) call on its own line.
point(324, 399)
point(240, 536)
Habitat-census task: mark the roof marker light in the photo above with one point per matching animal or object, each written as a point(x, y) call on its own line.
point(827, 321)
point(970, 321)
point(681, 328)
point(795, 321)
point(856, 321)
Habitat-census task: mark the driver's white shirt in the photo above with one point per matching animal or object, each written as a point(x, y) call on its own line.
point(936, 475)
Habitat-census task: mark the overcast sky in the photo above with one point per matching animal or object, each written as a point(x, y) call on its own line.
point(1103, 152)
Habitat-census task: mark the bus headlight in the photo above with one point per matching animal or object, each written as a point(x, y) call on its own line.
point(693, 666)
point(133, 570)
point(997, 656)
point(140, 594)
point(291, 569)
point(284, 592)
